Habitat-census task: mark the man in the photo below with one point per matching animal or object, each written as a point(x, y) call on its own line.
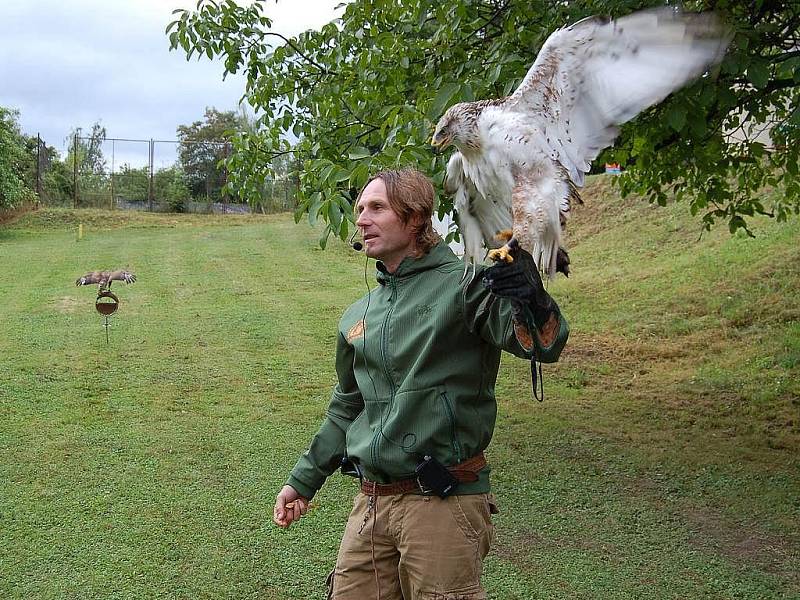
point(414, 408)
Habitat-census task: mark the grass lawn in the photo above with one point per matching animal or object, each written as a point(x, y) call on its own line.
point(664, 462)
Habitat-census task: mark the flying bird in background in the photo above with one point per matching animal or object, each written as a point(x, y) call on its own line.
point(103, 279)
point(520, 159)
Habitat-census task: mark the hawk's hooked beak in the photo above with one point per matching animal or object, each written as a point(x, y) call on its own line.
point(438, 144)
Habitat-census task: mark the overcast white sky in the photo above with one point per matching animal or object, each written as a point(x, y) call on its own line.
point(70, 63)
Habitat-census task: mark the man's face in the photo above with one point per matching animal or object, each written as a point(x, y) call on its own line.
point(385, 236)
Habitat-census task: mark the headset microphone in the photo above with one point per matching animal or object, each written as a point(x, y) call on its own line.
point(357, 246)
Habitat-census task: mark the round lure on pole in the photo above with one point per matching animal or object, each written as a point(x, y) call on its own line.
point(107, 301)
point(106, 304)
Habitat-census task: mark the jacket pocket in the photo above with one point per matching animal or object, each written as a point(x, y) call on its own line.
point(418, 422)
point(358, 437)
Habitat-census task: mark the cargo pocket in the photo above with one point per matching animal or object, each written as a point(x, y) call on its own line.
point(493, 508)
point(467, 527)
point(329, 585)
point(473, 513)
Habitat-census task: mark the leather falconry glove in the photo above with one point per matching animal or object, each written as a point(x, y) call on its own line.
point(520, 282)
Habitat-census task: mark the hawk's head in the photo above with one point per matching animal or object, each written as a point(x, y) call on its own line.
point(457, 126)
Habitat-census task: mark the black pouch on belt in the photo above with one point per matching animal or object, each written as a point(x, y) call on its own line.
point(433, 476)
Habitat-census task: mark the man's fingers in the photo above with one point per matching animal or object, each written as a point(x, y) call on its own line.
point(279, 518)
point(506, 284)
point(503, 274)
point(504, 288)
point(286, 513)
point(297, 509)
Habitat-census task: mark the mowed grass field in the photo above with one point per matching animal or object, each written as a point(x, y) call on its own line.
point(664, 462)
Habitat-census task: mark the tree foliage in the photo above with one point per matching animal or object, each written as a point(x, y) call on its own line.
point(48, 174)
point(365, 91)
point(204, 145)
point(15, 161)
point(88, 150)
point(169, 185)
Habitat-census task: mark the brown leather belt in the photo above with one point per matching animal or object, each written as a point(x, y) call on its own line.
point(465, 472)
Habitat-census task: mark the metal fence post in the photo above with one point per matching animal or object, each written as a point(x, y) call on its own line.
point(151, 192)
point(39, 166)
point(75, 171)
point(111, 204)
point(225, 180)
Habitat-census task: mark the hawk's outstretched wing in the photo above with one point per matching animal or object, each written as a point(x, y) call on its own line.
point(594, 75)
point(125, 276)
point(527, 152)
point(104, 278)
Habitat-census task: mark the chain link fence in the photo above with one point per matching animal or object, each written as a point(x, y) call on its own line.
point(151, 175)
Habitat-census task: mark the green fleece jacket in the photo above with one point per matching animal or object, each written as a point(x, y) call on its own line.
point(417, 360)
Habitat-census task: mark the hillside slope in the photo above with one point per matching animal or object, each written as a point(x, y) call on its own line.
point(663, 462)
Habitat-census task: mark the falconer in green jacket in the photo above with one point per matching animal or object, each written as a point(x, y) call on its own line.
point(414, 407)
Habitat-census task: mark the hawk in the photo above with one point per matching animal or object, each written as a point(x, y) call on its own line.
point(103, 279)
point(520, 159)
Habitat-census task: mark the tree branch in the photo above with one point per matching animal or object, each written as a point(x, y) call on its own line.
point(294, 47)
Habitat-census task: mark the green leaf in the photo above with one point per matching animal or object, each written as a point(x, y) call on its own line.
point(494, 74)
point(358, 153)
point(314, 207)
point(676, 117)
point(323, 240)
point(334, 215)
point(758, 74)
point(735, 223)
point(359, 175)
point(326, 173)
point(442, 100)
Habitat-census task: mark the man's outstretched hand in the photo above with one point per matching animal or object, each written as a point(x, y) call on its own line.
point(289, 507)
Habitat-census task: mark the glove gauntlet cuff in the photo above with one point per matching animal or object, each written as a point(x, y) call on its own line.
point(545, 324)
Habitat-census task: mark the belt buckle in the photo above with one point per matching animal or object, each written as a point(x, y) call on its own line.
point(424, 490)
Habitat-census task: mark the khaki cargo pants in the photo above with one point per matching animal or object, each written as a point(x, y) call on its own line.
point(422, 547)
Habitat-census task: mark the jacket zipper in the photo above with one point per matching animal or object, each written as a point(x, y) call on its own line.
point(452, 418)
point(384, 352)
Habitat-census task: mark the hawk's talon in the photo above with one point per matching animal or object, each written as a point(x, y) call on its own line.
point(502, 254)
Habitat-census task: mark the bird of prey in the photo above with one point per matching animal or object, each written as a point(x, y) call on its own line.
point(480, 219)
point(520, 159)
point(103, 279)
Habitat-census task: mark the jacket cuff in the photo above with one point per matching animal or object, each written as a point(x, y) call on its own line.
point(303, 488)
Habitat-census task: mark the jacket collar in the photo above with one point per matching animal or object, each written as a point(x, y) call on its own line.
point(439, 255)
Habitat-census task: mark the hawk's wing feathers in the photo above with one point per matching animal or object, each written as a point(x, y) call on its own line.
point(104, 278)
point(527, 153)
point(89, 278)
point(479, 217)
point(125, 276)
point(594, 75)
